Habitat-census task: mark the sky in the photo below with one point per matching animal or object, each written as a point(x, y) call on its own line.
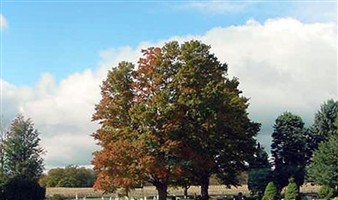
point(56, 53)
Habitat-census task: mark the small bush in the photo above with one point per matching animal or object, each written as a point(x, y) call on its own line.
point(291, 192)
point(270, 192)
point(326, 192)
point(20, 188)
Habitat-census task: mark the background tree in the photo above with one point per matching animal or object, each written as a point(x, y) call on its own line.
point(325, 124)
point(323, 168)
point(325, 118)
point(3, 178)
point(22, 151)
point(288, 149)
point(22, 162)
point(260, 173)
point(70, 176)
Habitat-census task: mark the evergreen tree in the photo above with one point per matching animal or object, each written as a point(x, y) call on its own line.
point(292, 192)
point(259, 171)
point(288, 149)
point(326, 192)
point(325, 124)
point(323, 168)
point(270, 192)
point(325, 118)
point(22, 151)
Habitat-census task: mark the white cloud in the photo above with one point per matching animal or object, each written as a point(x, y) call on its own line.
point(61, 113)
point(3, 22)
point(282, 65)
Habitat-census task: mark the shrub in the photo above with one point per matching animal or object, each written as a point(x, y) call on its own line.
point(270, 192)
point(326, 192)
point(20, 188)
point(291, 192)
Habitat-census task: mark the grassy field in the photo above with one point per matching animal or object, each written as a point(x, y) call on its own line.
point(151, 191)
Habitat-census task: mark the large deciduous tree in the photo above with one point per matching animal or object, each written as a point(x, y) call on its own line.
point(289, 149)
point(175, 117)
point(218, 136)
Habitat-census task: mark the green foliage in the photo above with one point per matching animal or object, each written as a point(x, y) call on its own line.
point(22, 151)
point(259, 171)
point(21, 162)
point(326, 192)
point(323, 168)
point(71, 176)
point(292, 192)
point(178, 119)
point(289, 149)
point(270, 192)
point(325, 124)
point(215, 126)
point(20, 187)
point(325, 118)
point(258, 179)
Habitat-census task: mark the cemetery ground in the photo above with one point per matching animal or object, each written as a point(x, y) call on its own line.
point(215, 191)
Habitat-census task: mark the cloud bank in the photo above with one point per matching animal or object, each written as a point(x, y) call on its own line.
point(282, 65)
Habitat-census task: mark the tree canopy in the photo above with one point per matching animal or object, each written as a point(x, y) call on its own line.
point(21, 161)
point(260, 173)
point(323, 168)
point(22, 151)
point(289, 149)
point(325, 124)
point(174, 116)
point(70, 176)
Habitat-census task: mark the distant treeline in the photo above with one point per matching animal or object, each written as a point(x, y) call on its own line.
point(70, 176)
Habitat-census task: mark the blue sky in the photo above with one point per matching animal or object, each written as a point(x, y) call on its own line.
point(55, 55)
point(65, 37)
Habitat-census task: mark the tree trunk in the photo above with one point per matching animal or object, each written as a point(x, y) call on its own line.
point(204, 188)
point(185, 191)
point(162, 191)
